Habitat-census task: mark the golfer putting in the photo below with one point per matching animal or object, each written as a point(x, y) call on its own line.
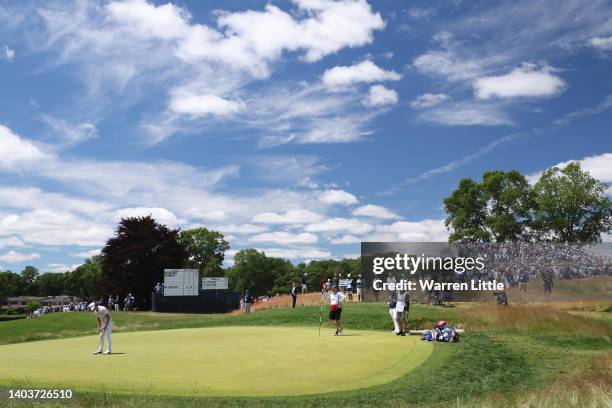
point(105, 326)
point(335, 309)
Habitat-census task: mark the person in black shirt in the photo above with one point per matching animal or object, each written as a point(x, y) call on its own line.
point(293, 294)
point(304, 284)
point(248, 299)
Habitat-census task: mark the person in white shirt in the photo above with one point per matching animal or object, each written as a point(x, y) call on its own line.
point(105, 326)
point(335, 309)
point(401, 311)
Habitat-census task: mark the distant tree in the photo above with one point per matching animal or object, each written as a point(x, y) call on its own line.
point(86, 280)
point(32, 306)
point(572, 206)
point(467, 211)
point(260, 274)
point(135, 258)
point(28, 277)
point(50, 284)
point(206, 250)
point(11, 285)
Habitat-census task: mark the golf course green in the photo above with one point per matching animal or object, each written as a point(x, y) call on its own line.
point(223, 361)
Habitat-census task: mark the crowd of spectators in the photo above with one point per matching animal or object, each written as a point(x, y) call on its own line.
point(519, 262)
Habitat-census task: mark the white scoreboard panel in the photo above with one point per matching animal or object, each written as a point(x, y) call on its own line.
point(181, 282)
point(214, 283)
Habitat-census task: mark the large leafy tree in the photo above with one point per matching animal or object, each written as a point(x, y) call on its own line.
point(135, 258)
point(260, 274)
point(499, 208)
point(205, 249)
point(572, 206)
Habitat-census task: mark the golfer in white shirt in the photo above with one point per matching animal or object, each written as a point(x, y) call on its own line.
point(105, 326)
point(335, 309)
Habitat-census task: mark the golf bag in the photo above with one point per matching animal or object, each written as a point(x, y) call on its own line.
point(446, 333)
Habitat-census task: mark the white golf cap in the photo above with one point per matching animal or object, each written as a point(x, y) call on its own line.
point(91, 306)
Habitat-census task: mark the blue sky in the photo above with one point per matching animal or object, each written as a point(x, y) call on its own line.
point(300, 128)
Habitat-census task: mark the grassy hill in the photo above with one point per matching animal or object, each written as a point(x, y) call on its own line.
point(523, 355)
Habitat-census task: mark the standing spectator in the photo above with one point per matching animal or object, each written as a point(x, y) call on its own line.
point(304, 283)
point(111, 302)
point(294, 293)
point(359, 285)
point(248, 299)
point(349, 287)
point(158, 288)
point(401, 311)
point(116, 303)
point(393, 311)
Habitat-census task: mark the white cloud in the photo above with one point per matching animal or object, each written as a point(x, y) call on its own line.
point(349, 225)
point(161, 215)
point(428, 100)
point(86, 254)
point(7, 53)
point(375, 211)
point(16, 152)
point(419, 231)
point(602, 43)
point(70, 133)
point(16, 257)
point(363, 72)
point(60, 267)
point(345, 239)
point(284, 238)
point(331, 197)
point(290, 217)
point(599, 166)
point(242, 229)
point(526, 81)
point(467, 114)
point(202, 105)
point(11, 242)
point(380, 96)
point(302, 253)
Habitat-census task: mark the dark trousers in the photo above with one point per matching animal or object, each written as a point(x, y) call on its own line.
point(293, 299)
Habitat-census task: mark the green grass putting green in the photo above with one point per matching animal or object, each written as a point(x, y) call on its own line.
point(229, 361)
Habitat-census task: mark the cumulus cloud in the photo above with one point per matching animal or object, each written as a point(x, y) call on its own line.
point(525, 81)
point(201, 105)
point(16, 257)
point(16, 152)
point(599, 166)
point(341, 197)
point(11, 242)
point(289, 217)
point(363, 72)
point(284, 238)
point(375, 211)
point(161, 215)
point(467, 114)
point(380, 96)
point(86, 254)
point(301, 253)
point(417, 231)
point(337, 224)
point(428, 100)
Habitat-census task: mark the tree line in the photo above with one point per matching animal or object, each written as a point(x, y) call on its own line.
point(563, 205)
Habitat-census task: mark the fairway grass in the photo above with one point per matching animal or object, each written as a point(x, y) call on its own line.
point(222, 361)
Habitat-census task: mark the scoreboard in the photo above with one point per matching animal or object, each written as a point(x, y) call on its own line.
point(214, 283)
point(181, 282)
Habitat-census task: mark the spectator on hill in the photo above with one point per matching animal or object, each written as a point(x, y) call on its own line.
point(294, 293)
point(248, 299)
point(304, 283)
